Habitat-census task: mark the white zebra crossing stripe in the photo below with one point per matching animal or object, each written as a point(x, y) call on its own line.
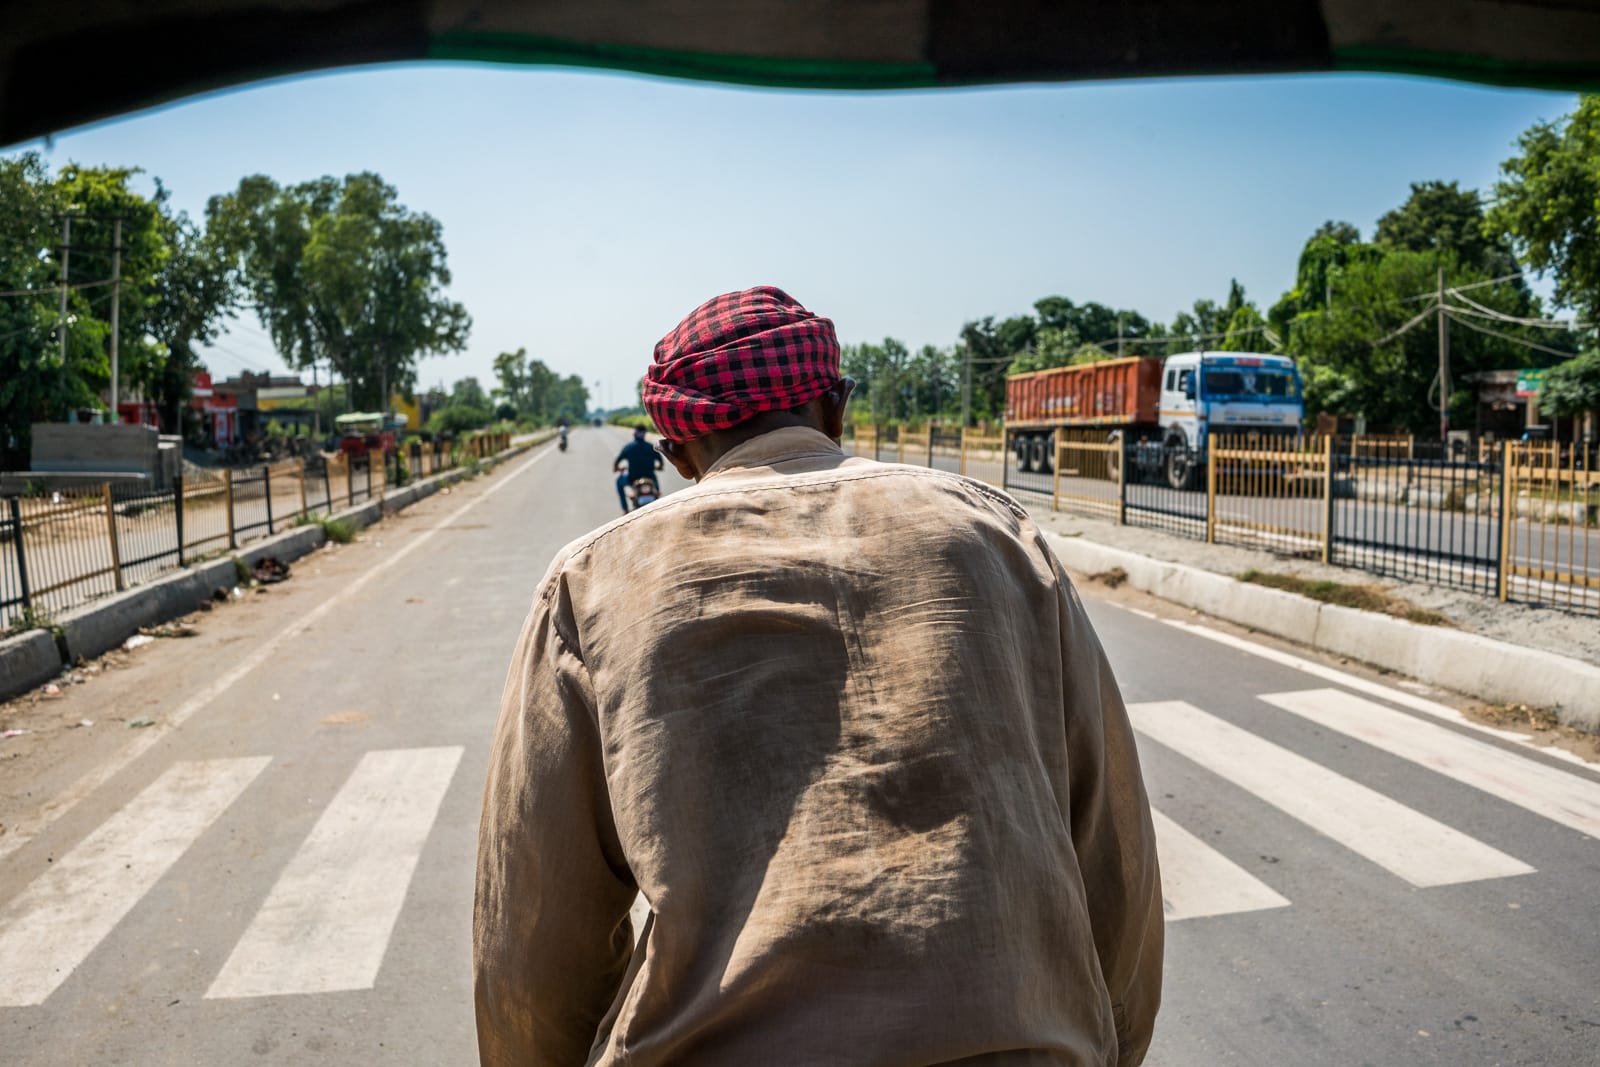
point(1557, 795)
point(326, 924)
point(1197, 880)
point(1407, 843)
point(53, 925)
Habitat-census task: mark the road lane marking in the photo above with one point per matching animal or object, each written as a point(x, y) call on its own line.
point(1555, 794)
point(1199, 881)
point(1406, 843)
point(326, 924)
point(266, 650)
point(1363, 685)
point(52, 925)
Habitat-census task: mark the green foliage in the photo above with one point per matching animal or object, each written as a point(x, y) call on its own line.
point(536, 393)
point(1442, 217)
point(343, 274)
point(1548, 201)
point(339, 531)
point(34, 382)
point(1572, 387)
point(196, 289)
point(1394, 383)
point(632, 421)
point(459, 418)
point(1246, 331)
point(173, 292)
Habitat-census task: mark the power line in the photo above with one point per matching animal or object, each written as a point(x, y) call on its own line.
point(1410, 324)
point(55, 290)
point(1506, 336)
point(1491, 313)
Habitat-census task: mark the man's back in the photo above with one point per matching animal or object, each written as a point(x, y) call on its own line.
point(857, 745)
point(641, 459)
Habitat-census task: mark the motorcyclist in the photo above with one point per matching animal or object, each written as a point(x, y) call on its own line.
point(641, 461)
point(561, 427)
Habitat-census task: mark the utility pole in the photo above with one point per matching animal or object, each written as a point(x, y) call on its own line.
point(116, 299)
point(966, 388)
point(66, 254)
point(1444, 364)
point(316, 405)
point(1119, 336)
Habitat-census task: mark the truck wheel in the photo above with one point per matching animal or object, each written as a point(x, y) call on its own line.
point(1180, 466)
point(1039, 454)
point(1019, 445)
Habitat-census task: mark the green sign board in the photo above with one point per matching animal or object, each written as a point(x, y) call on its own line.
point(1528, 382)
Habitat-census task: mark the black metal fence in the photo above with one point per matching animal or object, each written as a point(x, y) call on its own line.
point(61, 548)
point(1389, 506)
point(1426, 518)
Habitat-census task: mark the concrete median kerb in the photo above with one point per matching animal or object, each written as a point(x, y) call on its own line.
point(1477, 667)
point(29, 659)
point(34, 657)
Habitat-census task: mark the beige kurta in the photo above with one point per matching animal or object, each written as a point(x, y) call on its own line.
point(847, 728)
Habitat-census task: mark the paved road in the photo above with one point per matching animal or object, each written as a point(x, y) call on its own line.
point(282, 871)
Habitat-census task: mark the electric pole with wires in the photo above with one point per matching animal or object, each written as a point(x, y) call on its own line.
point(1444, 363)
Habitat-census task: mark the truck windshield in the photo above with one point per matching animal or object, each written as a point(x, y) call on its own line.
point(1262, 382)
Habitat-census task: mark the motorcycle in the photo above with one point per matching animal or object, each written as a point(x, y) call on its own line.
point(562, 444)
point(643, 491)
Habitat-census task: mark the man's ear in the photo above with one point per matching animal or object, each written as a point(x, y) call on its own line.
point(679, 459)
point(834, 403)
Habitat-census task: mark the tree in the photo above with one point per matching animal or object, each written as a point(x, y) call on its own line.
point(1246, 332)
point(344, 274)
point(468, 392)
point(193, 291)
point(511, 379)
point(1443, 217)
point(1324, 256)
point(34, 381)
point(1054, 346)
point(1548, 202)
point(536, 392)
point(1573, 387)
point(97, 197)
point(1366, 355)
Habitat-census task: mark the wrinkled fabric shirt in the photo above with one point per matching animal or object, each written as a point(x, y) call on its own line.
point(846, 727)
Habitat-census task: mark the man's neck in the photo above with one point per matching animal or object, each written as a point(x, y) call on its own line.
point(713, 446)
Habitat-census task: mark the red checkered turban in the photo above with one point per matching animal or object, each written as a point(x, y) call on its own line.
point(736, 356)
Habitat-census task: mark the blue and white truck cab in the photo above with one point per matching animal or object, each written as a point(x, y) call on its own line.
point(1206, 393)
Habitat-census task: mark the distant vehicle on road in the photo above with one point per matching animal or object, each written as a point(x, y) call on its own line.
point(1167, 407)
point(361, 432)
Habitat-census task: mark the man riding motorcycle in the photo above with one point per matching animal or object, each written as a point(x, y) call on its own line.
point(562, 428)
point(641, 461)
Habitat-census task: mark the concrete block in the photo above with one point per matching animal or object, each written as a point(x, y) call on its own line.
point(287, 546)
point(1481, 667)
point(362, 515)
point(26, 660)
point(102, 625)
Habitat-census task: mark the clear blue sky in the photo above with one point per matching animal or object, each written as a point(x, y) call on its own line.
point(586, 213)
